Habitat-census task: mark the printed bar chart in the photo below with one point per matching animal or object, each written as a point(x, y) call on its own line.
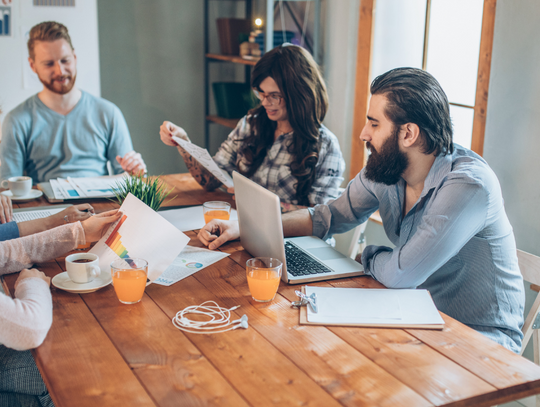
point(114, 242)
point(5, 21)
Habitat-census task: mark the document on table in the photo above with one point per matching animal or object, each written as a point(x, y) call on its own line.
point(191, 218)
point(36, 214)
point(62, 189)
point(97, 187)
point(140, 232)
point(203, 156)
point(86, 187)
point(373, 307)
point(189, 261)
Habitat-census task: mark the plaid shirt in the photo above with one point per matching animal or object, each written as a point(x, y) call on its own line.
point(275, 173)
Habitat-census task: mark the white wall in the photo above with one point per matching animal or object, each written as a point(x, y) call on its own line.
point(339, 69)
point(512, 139)
point(81, 22)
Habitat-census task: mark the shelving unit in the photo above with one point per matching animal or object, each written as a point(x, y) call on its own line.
point(231, 58)
point(212, 58)
point(248, 63)
point(230, 123)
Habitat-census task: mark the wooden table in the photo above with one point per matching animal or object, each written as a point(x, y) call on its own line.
point(103, 353)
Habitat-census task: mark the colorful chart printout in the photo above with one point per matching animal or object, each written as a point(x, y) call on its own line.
point(114, 241)
point(145, 234)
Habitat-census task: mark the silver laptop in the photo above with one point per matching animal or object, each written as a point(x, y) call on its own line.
point(305, 259)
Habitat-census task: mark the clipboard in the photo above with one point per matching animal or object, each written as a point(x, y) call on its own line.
point(421, 315)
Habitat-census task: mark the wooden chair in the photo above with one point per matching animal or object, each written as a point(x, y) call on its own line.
point(358, 242)
point(529, 265)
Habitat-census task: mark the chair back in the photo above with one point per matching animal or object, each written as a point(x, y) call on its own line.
point(529, 264)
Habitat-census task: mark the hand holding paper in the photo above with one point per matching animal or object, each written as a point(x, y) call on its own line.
point(143, 233)
point(204, 158)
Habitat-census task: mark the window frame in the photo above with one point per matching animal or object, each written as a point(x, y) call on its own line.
point(363, 70)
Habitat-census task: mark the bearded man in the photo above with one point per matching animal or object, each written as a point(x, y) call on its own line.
point(63, 131)
point(441, 206)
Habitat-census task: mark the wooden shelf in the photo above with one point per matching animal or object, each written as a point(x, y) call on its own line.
point(232, 58)
point(231, 123)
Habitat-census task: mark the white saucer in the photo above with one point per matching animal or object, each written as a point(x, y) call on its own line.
point(34, 193)
point(63, 282)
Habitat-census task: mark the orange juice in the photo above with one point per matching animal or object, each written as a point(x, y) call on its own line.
point(216, 214)
point(263, 283)
point(129, 285)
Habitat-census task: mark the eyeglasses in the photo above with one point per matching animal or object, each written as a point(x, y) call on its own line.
point(273, 99)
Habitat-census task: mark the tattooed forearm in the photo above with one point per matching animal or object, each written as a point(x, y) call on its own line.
point(197, 171)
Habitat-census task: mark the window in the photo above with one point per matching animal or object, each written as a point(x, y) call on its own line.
point(450, 39)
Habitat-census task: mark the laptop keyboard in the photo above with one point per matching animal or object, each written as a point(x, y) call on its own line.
point(301, 264)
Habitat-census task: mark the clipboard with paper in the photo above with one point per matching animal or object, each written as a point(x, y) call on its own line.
point(370, 307)
point(203, 157)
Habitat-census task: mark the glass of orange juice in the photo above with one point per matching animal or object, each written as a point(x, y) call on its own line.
point(216, 210)
point(263, 276)
point(129, 277)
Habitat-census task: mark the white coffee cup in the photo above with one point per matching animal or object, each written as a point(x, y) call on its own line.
point(19, 186)
point(82, 267)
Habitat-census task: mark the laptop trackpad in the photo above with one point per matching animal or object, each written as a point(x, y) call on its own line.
point(325, 253)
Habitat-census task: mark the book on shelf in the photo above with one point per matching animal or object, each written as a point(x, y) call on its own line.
point(229, 32)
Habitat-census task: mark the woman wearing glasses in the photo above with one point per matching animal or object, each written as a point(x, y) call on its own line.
point(281, 144)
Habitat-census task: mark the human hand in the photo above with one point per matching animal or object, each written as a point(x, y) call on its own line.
point(132, 163)
point(72, 214)
point(231, 191)
point(96, 226)
point(217, 232)
point(31, 273)
point(6, 209)
point(168, 130)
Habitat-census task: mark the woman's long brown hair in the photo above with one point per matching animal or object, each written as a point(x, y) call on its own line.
point(304, 92)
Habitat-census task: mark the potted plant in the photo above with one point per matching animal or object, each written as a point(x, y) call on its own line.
point(151, 191)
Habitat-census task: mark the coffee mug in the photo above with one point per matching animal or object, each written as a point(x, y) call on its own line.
point(82, 267)
point(19, 186)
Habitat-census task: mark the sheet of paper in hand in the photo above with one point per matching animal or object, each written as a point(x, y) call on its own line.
point(203, 156)
point(140, 232)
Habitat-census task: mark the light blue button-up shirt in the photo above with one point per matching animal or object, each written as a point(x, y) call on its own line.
point(46, 144)
point(456, 242)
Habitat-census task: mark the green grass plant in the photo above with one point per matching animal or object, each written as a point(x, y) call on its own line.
point(152, 191)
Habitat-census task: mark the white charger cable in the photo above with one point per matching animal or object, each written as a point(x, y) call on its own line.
point(220, 319)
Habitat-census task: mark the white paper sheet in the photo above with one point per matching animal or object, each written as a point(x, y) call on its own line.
point(58, 190)
point(191, 218)
point(144, 234)
point(203, 156)
point(37, 214)
point(188, 262)
point(373, 306)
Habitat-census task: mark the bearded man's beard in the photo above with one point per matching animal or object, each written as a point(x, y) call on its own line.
point(62, 89)
point(387, 165)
